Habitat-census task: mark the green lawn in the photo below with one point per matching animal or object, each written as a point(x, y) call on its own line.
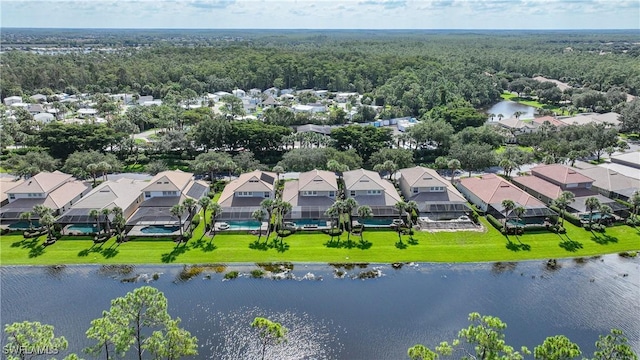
point(379, 246)
point(502, 148)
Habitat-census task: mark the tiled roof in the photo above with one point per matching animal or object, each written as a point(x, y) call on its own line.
point(65, 193)
point(173, 180)
point(260, 181)
point(121, 193)
point(539, 185)
point(609, 179)
point(561, 174)
point(318, 180)
point(492, 189)
point(43, 182)
point(7, 184)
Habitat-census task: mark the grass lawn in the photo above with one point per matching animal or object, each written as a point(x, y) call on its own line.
point(502, 148)
point(379, 246)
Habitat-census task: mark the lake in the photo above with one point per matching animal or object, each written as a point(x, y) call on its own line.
point(346, 318)
point(508, 108)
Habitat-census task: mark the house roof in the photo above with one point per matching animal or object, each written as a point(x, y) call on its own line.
point(270, 101)
point(539, 185)
point(513, 123)
point(492, 189)
point(370, 180)
point(43, 182)
point(321, 129)
point(65, 194)
point(630, 158)
point(291, 194)
point(610, 179)
point(7, 184)
point(260, 181)
point(561, 174)
point(419, 176)
point(318, 180)
point(553, 121)
point(109, 194)
point(593, 118)
point(172, 180)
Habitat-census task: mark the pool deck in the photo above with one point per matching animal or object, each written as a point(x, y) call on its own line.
point(66, 231)
point(137, 231)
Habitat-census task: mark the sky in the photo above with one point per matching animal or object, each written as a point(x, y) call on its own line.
point(322, 14)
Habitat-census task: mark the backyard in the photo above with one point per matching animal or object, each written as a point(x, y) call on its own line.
point(377, 247)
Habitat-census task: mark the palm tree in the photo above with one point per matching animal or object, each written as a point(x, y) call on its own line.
point(401, 206)
point(216, 211)
point(189, 204)
point(591, 203)
point(47, 220)
point(205, 203)
point(95, 214)
point(411, 209)
point(453, 165)
point(41, 210)
point(268, 205)
point(507, 206)
point(278, 170)
point(563, 201)
point(605, 211)
point(259, 215)
point(27, 216)
point(491, 116)
point(364, 212)
point(104, 167)
point(93, 170)
point(119, 221)
point(500, 116)
point(106, 212)
point(177, 210)
point(508, 166)
point(333, 213)
point(635, 202)
point(283, 209)
point(349, 206)
point(520, 211)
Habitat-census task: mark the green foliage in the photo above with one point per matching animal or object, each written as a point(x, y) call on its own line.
point(557, 347)
point(270, 332)
point(27, 338)
point(231, 275)
point(614, 346)
point(495, 222)
point(257, 273)
point(30, 163)
point(365, 140)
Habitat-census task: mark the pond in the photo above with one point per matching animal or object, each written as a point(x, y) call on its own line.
point(508, 108)
point(348, 317)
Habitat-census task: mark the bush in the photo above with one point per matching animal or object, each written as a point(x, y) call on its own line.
point(568, 217)
point(257, 273)
point(231, 275)
point(219, 185)
point(196, 220)
point(495, 222)
point(632, 222)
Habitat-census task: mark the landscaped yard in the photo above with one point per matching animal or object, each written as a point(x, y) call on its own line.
point(379, 246)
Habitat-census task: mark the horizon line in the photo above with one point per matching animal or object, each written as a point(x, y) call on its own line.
point(322, 29)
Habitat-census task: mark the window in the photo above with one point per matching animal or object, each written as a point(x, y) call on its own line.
point(332, 193)
point(374, 192)
point(169, 193)
point(436, 189)
point(574, 185)
point(353, 193)
point(244, 193)
point(267, 195)
point(415, 190)
point(310, 193)
point(147, 194)
point(12, 196)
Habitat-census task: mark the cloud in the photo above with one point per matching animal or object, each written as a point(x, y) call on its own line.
point(387, 4)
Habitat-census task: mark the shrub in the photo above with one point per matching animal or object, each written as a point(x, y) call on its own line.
point(568, 217)
point(231, 275)
point(257, 274)
point(495, 222)
point(196, 220)
point(632, 222)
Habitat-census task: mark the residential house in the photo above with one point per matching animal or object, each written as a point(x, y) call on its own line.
point(368, 188)
point(309, 108)
point(255, 92)
point(611, 183)
point(40, 98)
point(163, 191)
point(437, 198)
point(44, 118)
point(6, 184)
point(547, 182)
point(57, 191)
point(242, 196)
point(87, 113)
point(10, 100)
point(269, 102)
point(35, 109)
point(286, 92)
point(272, 91)
point(123, 193)
point(239, 93)
point(343, 97)
point(516, 127)
point(631, 159)
point(311, 195)
point(550, 120)
point(611, 119)
point(488, 192)
point(318, 129)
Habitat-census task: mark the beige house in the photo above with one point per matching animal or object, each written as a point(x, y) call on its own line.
point(311, 195)
point(437, 198)
point(242, 196)
point(368, 188)
point(6, 184)
point(56, 190)
point(123, 193)
point(163, 191)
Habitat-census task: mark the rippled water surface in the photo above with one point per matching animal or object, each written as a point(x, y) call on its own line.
point(345, 318)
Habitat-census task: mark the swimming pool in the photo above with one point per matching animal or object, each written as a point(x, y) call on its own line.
point(244, 225)
point(376, 222)
point(154, 229)
point(83, 228)
point(307, 222)
point(23, 225)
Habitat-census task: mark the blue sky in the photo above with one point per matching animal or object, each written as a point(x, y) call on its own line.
point(323, 14)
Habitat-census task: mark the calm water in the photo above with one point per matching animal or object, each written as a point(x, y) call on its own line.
point(508, 108)
point(346, 318)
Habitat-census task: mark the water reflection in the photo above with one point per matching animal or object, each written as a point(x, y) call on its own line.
point(509, 108)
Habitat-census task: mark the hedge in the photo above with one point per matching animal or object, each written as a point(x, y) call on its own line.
point(568, 216)
point(495, 222)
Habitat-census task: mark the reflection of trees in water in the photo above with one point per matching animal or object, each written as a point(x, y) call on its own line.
point(501, 267)
point(307, 338)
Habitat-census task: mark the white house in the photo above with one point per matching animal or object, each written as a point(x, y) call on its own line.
point(10, 100)
point(239, 93)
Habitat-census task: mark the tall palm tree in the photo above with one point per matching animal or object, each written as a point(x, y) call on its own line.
point(519, 211)
point(47, 220)
point(283, 209)
point(27, 216)
point(205, 203)
point(364, 212)
point(177, 210)
point(412, 208)
point(119, 221)
point(41, 210)
point(333, 213)
point(104, 167)
point(563, 201)
point(635, 202)
point(591, 203)
point(268, 205)
point(401, 206)
point(216, 211)
point(453, 165)
point(507, 206)
point(106, 212)
point(189, 204)
point(350, 204)
point(278, 170)
point(259, 215)
point(93, 170)
point(95, 214)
